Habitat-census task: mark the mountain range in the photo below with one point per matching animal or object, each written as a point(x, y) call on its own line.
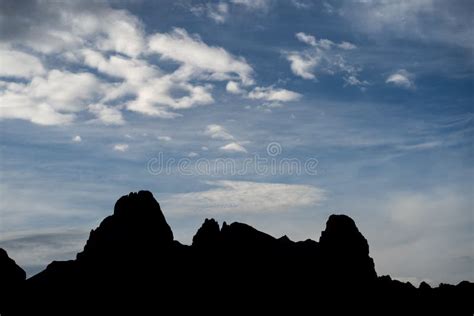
point(131, 265)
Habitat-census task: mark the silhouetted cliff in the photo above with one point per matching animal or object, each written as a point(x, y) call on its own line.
point(131, 265)
point(12, 279)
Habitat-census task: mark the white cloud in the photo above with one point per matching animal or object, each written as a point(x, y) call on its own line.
point(305, 38)
point(401, 78)
point(234, 88)
point(204, 148)
point(99, 26)
point(21, 106)
point(106, 114)
point(156, 94)
point(218, 132)
point(218, 12)
point(18, 64)
point(112, 42)
point(193, 154)
point(246, 197)
point(152, 90)
point(272, 94)
point(301, 4)
point(328, 8)
point(421, 146)
point(445, 22)
point(77, 139)
point(325, 57)
point(197, 57)
point(49, 100)
point(346, 46)
point(324, 43)
point(303, 64)
point(165, 138)
point(121, 147)
point(233, 148)
point(65, 90)
point(352, 80)
point(253, 4)
point(135, 71)
point(123, 33)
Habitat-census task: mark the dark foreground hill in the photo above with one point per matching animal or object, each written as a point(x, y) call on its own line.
point(131, 265)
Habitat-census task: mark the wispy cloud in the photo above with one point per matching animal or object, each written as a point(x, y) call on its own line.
point(323, 56)
point(306, 38)
point(427, 20)
point(301, 4)
point(218, 132)
point(401, 78)
point(233, 147)
point(121, 147)
point(253, 4)
point(273, 94)
point(164, 138)
point(197, 56)
point(218, 12)
point(77, 139)
point(246, 197)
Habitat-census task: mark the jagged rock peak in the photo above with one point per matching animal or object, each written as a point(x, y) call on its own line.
point(138, 204)
point(137, 222)
point(346, 249)
point(142, 208)
point(208, 234)
point(284, 238)
point(342, 231)
point(337, 222)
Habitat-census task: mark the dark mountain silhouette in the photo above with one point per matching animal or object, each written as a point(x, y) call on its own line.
point(12, 278)
point(131, 265)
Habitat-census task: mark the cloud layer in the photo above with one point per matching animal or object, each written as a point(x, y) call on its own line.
point(226, 196)
point(95, 62)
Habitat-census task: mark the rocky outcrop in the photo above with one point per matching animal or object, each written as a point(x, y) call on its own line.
point(346, 251)
point(136, 225)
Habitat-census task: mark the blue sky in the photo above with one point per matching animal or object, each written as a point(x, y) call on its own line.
point(378, 94)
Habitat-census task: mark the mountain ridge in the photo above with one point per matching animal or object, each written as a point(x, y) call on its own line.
point(233, 265)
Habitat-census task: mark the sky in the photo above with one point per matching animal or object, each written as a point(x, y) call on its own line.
point(270, 112)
